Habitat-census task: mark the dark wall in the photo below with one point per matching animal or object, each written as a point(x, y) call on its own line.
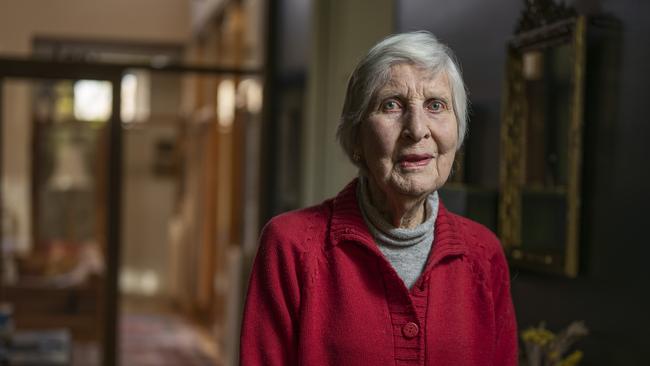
point(612, 293)
point(288, 37)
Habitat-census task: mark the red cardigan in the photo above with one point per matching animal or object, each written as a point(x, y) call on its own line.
point(321, 293)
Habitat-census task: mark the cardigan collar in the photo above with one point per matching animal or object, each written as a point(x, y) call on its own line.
point(347, 224)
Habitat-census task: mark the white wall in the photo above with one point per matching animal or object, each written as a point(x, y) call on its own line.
point(343, 31)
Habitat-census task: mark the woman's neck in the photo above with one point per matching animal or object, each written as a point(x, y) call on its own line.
point(400, 210)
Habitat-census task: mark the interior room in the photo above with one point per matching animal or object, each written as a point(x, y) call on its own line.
point(144, 144)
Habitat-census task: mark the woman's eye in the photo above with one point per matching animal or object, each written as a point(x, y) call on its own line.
point(437, 106)
point(390, 105)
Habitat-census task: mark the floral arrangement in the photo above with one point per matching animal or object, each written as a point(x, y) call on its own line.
point(545, 348)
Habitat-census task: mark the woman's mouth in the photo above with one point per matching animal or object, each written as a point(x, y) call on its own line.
point(415, 160)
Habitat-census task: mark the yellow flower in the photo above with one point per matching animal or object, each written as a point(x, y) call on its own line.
point(539, 336)
point(572, 360)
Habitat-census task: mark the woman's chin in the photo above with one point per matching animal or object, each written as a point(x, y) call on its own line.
point(415, 186)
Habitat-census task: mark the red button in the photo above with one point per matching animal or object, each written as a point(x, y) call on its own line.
point(410, 330)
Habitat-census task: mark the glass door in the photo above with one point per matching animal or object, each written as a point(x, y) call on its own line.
point(59, 196)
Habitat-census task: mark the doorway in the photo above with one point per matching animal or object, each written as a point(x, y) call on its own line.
point(119, 218)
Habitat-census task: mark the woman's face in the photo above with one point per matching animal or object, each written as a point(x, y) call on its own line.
point(409, 139)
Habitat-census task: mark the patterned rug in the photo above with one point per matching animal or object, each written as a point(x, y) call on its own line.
point(163, 340)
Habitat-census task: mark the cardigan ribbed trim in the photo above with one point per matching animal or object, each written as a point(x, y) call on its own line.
point(347, 225)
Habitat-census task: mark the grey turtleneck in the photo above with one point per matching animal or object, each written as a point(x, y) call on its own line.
point(407, 250)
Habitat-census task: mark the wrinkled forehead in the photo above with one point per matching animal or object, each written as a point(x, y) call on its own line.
point(406, 78)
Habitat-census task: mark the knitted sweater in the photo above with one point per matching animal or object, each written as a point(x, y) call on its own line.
point(321, 293)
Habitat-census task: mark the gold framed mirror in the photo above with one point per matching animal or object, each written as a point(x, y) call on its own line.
point(541, 147)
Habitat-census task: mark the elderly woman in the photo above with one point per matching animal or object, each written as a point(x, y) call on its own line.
point(383, 274)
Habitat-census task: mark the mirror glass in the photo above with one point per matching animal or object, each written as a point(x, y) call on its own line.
point(547, 75)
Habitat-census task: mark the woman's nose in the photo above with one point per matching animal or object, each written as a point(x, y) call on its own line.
point(415, 127)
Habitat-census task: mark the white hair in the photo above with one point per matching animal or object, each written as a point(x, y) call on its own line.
point(419, 48)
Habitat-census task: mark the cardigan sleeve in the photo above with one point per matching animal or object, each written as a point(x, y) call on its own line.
point(506, 342)
point(269, 325)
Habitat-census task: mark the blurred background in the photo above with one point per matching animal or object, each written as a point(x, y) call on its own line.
point(144, 143)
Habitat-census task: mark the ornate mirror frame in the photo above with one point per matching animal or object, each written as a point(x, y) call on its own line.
point(535, 35)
